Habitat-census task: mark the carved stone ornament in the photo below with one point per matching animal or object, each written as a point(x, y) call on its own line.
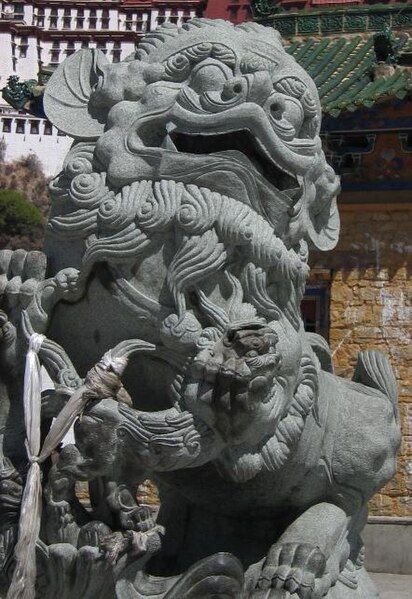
point(177, 249)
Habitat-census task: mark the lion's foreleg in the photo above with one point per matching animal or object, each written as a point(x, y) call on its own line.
point(309, 556)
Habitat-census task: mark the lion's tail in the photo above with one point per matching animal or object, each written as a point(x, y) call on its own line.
point(373, 369)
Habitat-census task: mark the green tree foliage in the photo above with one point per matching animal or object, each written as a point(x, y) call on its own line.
point(17, 215)
point(24, 176)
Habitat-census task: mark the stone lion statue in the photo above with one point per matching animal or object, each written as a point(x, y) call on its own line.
point(183, 217)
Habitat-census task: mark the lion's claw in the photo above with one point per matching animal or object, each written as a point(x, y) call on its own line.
point(295, 567)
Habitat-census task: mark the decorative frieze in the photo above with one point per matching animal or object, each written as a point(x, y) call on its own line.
point(355, 22)
point(308, 24)
point(312, 22)
point(330, 23)
point(379, 21)
point(403, 19)
point(287, 26)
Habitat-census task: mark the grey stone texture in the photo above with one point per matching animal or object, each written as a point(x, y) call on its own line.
point(392, 586)
point(389, 543)
point(183, 218)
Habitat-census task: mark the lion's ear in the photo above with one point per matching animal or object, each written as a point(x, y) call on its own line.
point(315, 217)
point(324, 227)
point(67, 95)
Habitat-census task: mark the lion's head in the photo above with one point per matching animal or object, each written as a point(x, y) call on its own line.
point(198, 179)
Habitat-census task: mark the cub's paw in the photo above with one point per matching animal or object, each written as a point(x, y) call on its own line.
point(299, 568)
point(7, 330)
point(139, 519)
point(8, 336)
point(67, 284)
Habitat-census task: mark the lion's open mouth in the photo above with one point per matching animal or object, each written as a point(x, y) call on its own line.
point(240, 142)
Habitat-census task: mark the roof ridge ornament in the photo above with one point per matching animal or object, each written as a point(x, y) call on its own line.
point(386, 45)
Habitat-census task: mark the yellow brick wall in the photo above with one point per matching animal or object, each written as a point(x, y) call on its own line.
point(370, 308)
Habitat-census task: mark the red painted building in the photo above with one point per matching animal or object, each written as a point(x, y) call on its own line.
point(316, 4)
point(236, 11)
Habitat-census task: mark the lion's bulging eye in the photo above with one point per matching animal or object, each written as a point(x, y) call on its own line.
point(210, 77)
point(286, 114)
point(294, 113)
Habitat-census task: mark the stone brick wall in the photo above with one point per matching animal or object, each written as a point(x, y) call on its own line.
point(370, 308)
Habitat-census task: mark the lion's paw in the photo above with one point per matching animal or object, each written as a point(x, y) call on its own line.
point(299, 568)
point(20, 274)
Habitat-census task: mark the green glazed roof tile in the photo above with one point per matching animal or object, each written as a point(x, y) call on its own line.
point(343, 72)
point(316, 52)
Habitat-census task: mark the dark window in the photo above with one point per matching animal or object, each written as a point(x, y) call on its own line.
point(6, 125)
point(24, 44)
point(139, 24)
point(54, 56)
point(117, 50)
point(53, 18)
point(101, 46)
point(48, 129)
point(85, 44)
point(105, 19)
point(18, 13)
point(315, 309)
point(70, 48)
point(80, 18)
point(20, 126)
point(92, 19)
point(34, 127)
